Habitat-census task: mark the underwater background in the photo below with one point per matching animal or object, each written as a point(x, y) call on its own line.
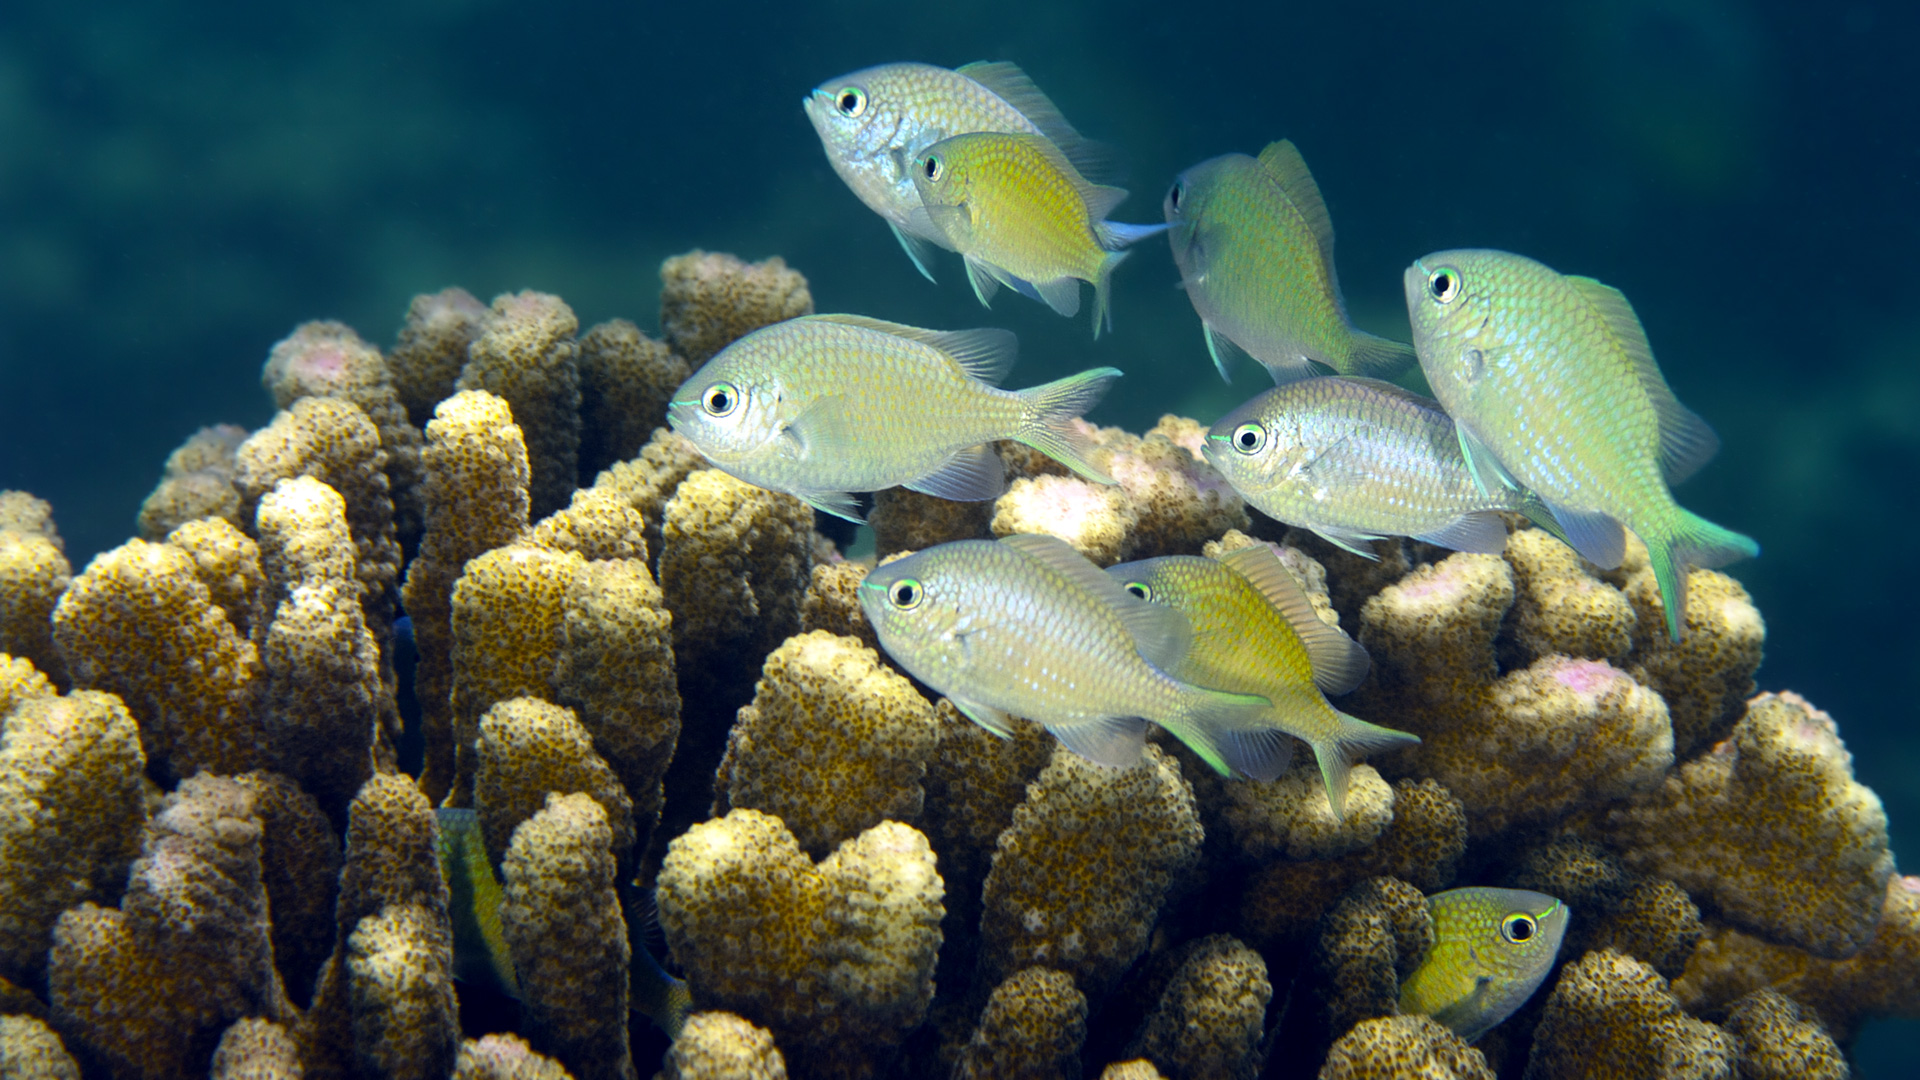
point(181, 184)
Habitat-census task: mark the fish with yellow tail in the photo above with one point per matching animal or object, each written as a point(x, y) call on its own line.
point(1254, 245)
point(1553, 387)
point(1255, 632)
point(826, 405)
point(876, 122)
point(1027, 626)
point(1491, 950)
point(1022, 216)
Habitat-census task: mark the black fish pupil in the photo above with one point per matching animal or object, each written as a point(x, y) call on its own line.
point(1248, 439)
point(1138, 590)
point(849, 102)
point(1173, 197)
point(1521, 930)
point(933, 168)
point(1443, 285)
point(903, 594)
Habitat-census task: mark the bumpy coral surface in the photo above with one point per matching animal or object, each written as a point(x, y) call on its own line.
point(722, 1046)
point(1392, 1047)
point(33, 573)
point(1210, 1018)
point(526, 355)
point(1612, 1016)
point(1031, 1029)
point(707, 300)
point(198, 483)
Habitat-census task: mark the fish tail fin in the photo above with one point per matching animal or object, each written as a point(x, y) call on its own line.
point(1693, 541)
point(1047, 423)
point(1103, 291)
point(1354, 738)
point(1380, 358)
point(1228, 731)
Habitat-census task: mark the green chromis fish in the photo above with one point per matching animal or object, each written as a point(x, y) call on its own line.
point(1024, 217)
point(825, 405)
point(1255, 632)
point(1356, 460)
point(1491, 949)
point(1255, 249)
point(1554, 388)
point(875, 123)
point(1026, 625)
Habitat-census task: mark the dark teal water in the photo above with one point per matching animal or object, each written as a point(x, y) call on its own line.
point(180, 184)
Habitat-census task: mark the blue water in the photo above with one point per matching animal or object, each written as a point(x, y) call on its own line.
point(180, 184)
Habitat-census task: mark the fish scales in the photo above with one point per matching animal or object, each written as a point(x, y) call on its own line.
point(1491, 950)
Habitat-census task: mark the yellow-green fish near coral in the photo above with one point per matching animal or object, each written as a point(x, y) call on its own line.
point(1255, 632)
point(876, 122)
point(1024, 217)
point(1357, 460)
point(1026, 625)
point(1491, 949)
point(1554, 388)
point(825, 405)
point(1255, 249)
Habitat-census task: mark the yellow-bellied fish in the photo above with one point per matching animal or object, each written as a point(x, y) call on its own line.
point(1553, 387)
point(1356, 460)
point(1255, 249)
point(1026, 625)
point(1491, 949)
point(874, 124)
point(1255, 632)
point(1024, 217)
point(824, 405)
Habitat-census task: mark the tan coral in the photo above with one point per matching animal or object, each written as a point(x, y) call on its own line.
point(1780, 1040)
point(721, 1046)
point(1395, 1047)
point(256, 1049)
point(1369, 943)
point(833, 744)
point(835, 958)
point(1084, 867)
point(832, 602)
point(1610, 1016)
point(1431, 637)
point(906, 520)
point(1708, 675)
point(1032, 1029)
point(529, 749)
point(34, 572)
point(564, 929)
point(1291, 817)
point(29, 1050)
point(1179, 501)
point(648, 480)
point(1561, 608)
point(599, 523)
point(198, 482)
point(300, 870)
point(228, 564)
point(426, 359)
point(1646, 917)
point(406, 1022)
point(505, 1057)
point(734, 562)
point(1770, 830)
point(710, 299)
point(1096, 519)
point(626, 380)
point(20, 680)
point(527, 356)
point(1210, 1018)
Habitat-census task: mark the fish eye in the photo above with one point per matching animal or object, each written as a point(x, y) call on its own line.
point(1140, 589)
point(1517, 927)
point(1249, 438)
point(933, 166)
point(905, 594)
point(720, 399)
point(1444, 284)
point(1173, 197)
point(851, 102)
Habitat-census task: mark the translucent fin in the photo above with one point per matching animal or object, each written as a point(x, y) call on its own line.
point(919, 249)
point(838, 503)
point(1484, 533)
point(1378, 357)
point(1597, 537)
point(1114, 235)
point(1339, 662)
point(1486, 469)
point(1360, 544)
point(1697, 542)
point(1220, 346)
point(1101, 201)
point(1206, 717)
point(1103, 292)
point(1686, 442)
point(1283, 162)
point(1290, 369)
point(952, 222)
point(1355, 739)
point(1095, 160)
point(1047, 423)
point(1061, 294)
point(1111, 740)
point(994, 720)
point(1161, 634)
point(823, 429)
point(1257, 753)
point(972, 475)
point(983, 284)
point(986, 354)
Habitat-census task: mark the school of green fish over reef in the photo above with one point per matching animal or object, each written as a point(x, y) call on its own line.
point(787, 697)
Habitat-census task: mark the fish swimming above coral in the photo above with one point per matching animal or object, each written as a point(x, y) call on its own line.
point(826, 405)
point(1491, 950)
point(1255, 632)
point(876, 122)
point(1254, 245)
point(1022, 216)
point(1358, 460)
point(1027, 625)
point(1553, 388)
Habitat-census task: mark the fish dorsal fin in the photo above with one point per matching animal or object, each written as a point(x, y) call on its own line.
point(1161, 634)
point(1012, 86)
point(986, 354)
point(1283, 162)
point(1686, 442)
point(1339, 662)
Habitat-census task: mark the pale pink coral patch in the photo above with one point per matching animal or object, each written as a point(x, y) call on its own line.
point(1590, 677)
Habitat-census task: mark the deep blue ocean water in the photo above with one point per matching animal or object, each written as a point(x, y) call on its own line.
point(181, 184)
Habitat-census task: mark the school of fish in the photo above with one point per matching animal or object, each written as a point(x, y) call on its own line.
point(1547, 404)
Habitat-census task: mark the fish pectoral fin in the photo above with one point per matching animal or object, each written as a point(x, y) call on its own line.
point(952, 222)
point(1115, 741)
point(994, 720)
point(1062, 294)
point(972, 475)
point(1485, 468)
point(1221, 348)
point(984, 286)
point(1483, 532)
point(840, 504)
point(822, 430)
point(919, 249)
point(1347, 540)
point(1596, 536)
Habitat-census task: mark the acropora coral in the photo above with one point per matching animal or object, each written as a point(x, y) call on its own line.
point(225, 761)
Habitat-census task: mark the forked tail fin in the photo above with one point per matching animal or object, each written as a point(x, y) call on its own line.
point(1048, 421)
point(1695, 542)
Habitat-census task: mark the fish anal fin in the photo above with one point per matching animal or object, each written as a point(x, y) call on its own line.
point(1062, 294)
point(1598, 537)
point(1482, 532)
point(972, 475)
point(1115, 741)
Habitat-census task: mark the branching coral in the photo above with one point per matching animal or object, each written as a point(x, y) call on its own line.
point(722, 1046)
point(1031, 1029)
point(1211, 1016)
point(33, 573)
point(1612, 1016)
point(1392, 1047)
point(526, 355)
point(198, 482)
point(626, 380)
point(426, 359)
point(29, 1050)
point(707, 300)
